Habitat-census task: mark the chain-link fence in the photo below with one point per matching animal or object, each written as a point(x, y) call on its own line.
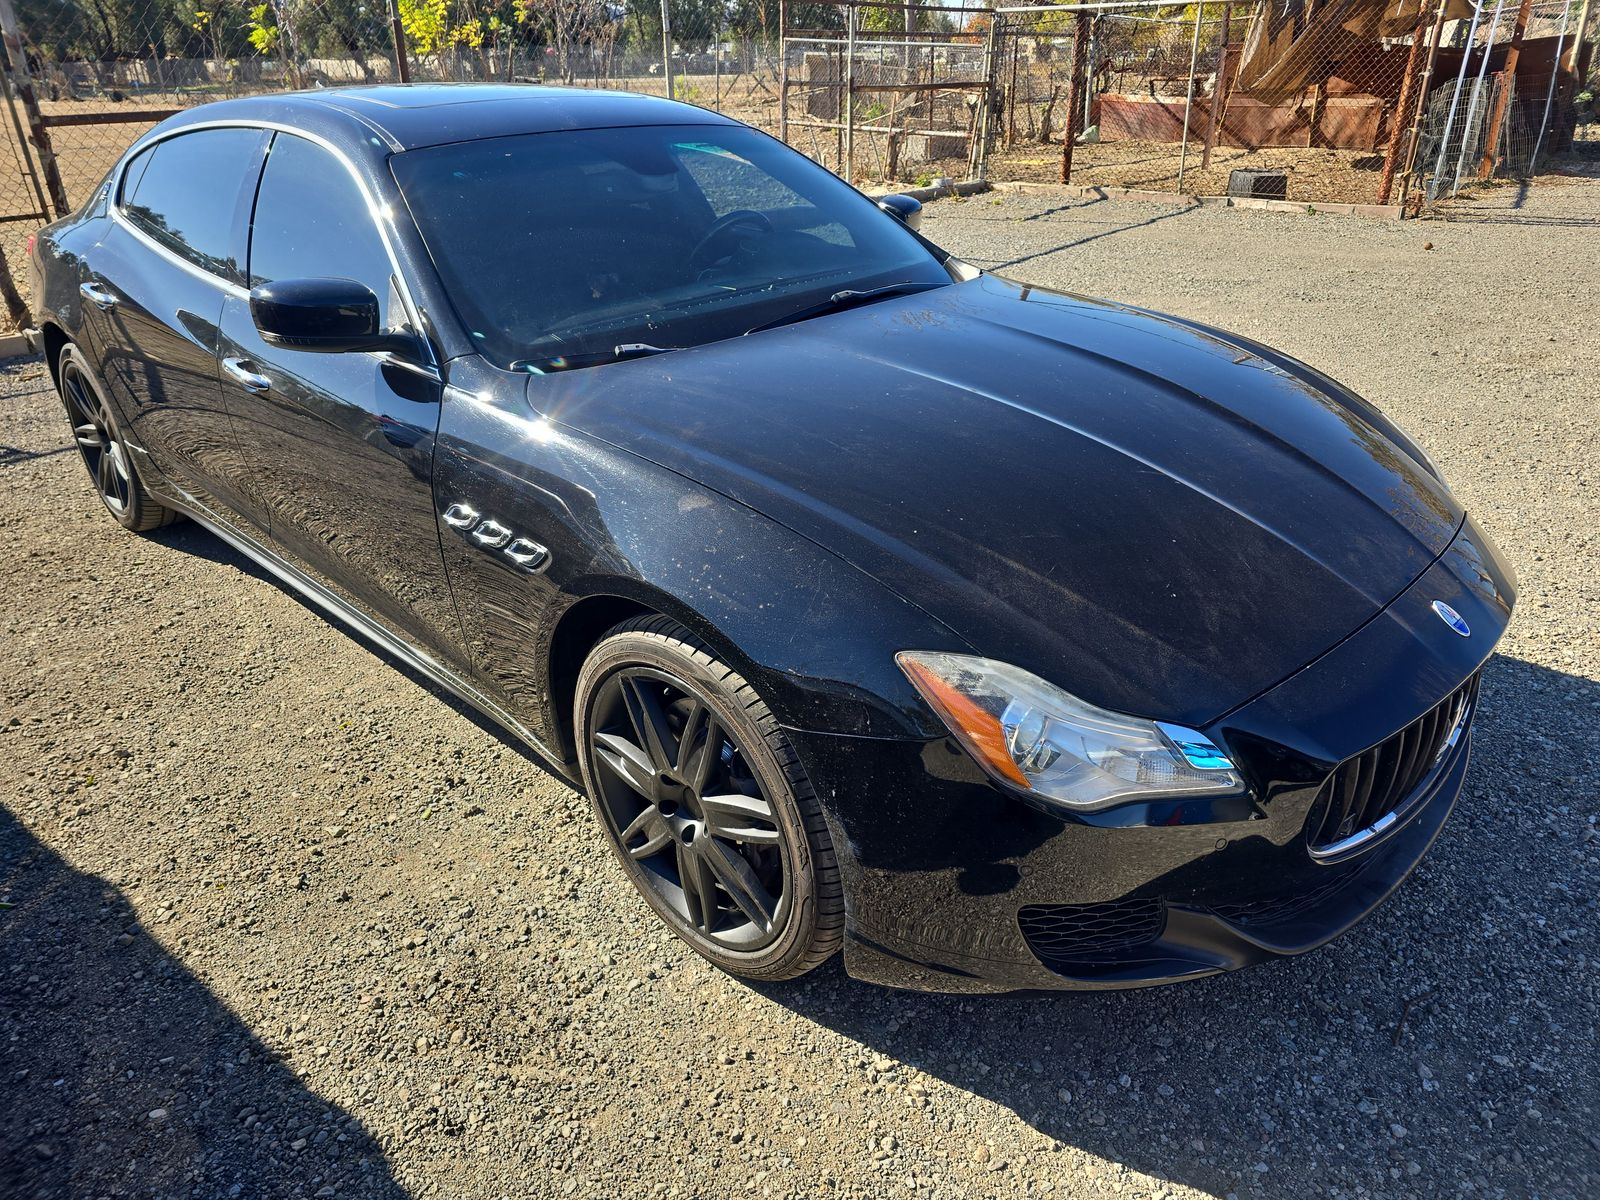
point(1505, 95)
point(1312, 101)
point(888, 92)
point(84, 78)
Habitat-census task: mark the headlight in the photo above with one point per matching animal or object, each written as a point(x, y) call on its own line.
point(1032, 735)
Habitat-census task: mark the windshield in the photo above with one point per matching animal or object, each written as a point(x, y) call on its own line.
point(570, 248)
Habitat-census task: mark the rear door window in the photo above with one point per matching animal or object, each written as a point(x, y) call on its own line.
point(184, 193)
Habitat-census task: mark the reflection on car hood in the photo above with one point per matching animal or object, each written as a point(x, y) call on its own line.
point(1160, 518)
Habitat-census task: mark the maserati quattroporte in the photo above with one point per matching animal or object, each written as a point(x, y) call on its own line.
point(1004, 638)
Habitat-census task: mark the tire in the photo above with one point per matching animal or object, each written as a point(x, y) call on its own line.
point(740, 822)
point(103, 449)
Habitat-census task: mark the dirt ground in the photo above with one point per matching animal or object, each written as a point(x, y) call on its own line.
point(276, 920)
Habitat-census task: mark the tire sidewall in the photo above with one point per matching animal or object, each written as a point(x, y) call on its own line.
point(639, 648)
point(134, 514)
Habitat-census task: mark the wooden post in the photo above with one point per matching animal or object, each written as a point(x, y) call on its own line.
point(1502, 97)
point(397, 34)
point(1414, 137)
point(16, 306)
point(1576, 52)
point(22, 85)
point(1402, 108)
point(1319, 95)
point(783, 70)
point(1219, 90)
point(1080, 46)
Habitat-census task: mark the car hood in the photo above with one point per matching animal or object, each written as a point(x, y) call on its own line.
point(1160, 518)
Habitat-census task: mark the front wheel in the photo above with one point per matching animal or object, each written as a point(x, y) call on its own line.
point(705, 803)
point(104, 450)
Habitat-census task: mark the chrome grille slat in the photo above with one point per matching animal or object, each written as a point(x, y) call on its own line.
point(1364, 790)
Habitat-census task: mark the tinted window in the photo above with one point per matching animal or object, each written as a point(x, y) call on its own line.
point(557, 248)
point(184, 192)
point(312, 220)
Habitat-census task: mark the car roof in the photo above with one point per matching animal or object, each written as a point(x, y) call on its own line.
point(410, 116)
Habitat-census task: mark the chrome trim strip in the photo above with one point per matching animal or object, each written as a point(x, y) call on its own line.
point(367, 627)
point(1387, 823)
point(177, 260)
point(381, 216)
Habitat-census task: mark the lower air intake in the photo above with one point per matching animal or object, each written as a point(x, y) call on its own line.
point(1066, 933)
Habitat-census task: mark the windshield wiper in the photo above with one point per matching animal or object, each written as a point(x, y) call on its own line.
point(846, 298)
point(571, 362)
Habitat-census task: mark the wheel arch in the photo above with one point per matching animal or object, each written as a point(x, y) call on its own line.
point(600, 607)
point(55, 341)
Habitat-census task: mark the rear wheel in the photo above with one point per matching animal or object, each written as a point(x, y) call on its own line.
point(705, 803)
point(104, 450)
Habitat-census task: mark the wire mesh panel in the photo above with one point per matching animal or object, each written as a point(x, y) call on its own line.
point(888, 92)
point(1293, 100)
point(1505, 96)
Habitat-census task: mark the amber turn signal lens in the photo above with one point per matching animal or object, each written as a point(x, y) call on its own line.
point(980, 730)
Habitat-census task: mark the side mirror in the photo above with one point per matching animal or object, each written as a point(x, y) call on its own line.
point(904, 207)
point(324, 316)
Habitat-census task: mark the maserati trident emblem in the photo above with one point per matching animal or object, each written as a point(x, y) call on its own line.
point(1452, 618)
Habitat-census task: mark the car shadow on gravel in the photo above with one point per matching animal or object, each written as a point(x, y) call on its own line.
point(1445, 1042)
point(120, 1072)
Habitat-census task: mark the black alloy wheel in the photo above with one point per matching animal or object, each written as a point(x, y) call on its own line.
point(705, 803)
point(103, 450)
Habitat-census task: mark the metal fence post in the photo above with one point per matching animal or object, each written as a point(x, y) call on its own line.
point(666, 43)
point(1188, 104)
point(1219, 90)
point(1508, 76)
point(1414, 139)
point(1550, 93)
point(985, 124)
point(397, 34)
point(850, 94)
point(22, 85)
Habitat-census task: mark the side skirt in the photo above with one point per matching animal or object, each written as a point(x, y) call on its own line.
point(358, 621)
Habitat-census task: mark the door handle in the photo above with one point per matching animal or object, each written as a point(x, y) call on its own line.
point(97, 296)
point(250, 381)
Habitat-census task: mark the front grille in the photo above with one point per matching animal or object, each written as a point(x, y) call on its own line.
point(1065, 933)
point(1364, 790)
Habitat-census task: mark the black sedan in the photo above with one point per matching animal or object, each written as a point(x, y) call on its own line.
point(1005, 638)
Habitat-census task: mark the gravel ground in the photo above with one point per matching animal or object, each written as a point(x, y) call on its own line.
point(276, 920)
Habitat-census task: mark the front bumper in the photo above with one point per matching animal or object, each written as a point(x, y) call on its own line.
point(954, 884)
